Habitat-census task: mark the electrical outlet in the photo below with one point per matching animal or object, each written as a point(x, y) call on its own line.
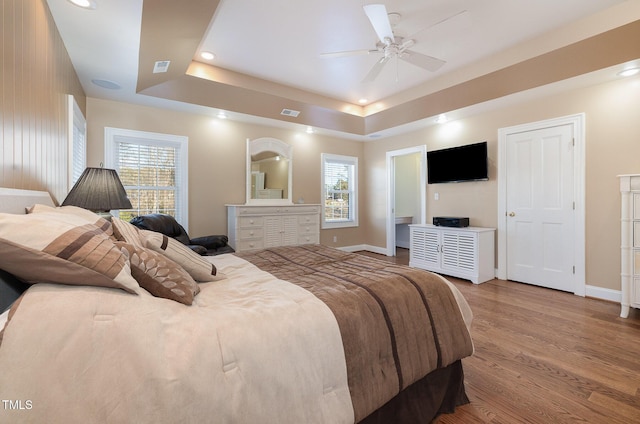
point(436, 196)
point(335, 239)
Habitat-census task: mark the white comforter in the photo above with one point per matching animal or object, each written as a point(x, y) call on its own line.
point(250, 345)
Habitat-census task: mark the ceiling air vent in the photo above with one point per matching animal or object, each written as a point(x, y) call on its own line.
point(161, 66)
point(290, 112)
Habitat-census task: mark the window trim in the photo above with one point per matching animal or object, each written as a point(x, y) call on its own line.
point(353, 161)
point(111, 138)
point(76, 121)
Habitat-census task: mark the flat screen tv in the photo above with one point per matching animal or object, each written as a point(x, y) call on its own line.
point(457, 164)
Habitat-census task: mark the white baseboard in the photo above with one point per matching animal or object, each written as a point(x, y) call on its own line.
point(591, 291)
point(604, 294)
point(367, 247)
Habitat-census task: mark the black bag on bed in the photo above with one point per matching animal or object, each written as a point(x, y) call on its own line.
point(10, 289)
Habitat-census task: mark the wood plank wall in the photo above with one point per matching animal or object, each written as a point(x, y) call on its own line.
point(36, 77)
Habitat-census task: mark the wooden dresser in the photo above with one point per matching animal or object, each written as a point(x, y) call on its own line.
point(256, 226)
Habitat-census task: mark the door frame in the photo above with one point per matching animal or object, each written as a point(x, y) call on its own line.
point(391, 216)
point(578, 124)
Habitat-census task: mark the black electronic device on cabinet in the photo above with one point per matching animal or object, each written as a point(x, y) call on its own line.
point(451, 221)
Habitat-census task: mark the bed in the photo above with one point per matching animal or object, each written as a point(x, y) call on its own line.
point(305, 334)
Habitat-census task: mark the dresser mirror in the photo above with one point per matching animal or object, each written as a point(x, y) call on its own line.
point(269, 173)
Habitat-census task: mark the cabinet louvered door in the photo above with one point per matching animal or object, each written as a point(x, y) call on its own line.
point(272, 231)
point(458, 251)
point(280, 231)
point(289, 227)
point(425, 247)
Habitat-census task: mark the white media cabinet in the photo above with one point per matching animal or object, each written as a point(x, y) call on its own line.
point(466, 252)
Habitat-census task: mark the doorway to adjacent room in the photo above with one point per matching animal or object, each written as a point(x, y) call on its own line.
point(406, 194)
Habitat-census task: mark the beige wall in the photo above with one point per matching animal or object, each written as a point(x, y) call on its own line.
point(36, 77)
point(407, 185)
point(612, 148)
point(217, 160)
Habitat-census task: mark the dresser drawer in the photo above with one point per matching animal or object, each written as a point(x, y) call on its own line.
point(305, 229)
point(278, 210)
point(250, 222)
point(249, 244)
point(250, 233)
point(309, 219)
point(309, 238)
point(259, 210)
point(311, 210)
point(635, 293)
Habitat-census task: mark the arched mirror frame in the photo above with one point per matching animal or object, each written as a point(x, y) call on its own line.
point(269, 144)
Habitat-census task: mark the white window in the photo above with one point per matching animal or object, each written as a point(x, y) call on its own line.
point(339, 191)
point(77, 141)
point(153, 171)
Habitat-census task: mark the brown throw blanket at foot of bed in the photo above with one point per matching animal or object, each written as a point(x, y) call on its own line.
point(398, 324)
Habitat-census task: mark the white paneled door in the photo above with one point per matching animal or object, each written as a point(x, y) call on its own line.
point(540, 207)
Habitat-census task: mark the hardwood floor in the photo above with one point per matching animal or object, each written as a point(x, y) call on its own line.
point(544, 356)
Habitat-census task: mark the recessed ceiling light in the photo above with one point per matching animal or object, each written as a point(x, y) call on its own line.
point(111, 85)
point(85, 4)
point(629, 72)
point(309, 130)
point(207, 55)
point(362, 101)
point(441, 119)
point(222, 115)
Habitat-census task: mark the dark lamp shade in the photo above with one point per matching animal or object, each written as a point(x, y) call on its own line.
point(98, 189)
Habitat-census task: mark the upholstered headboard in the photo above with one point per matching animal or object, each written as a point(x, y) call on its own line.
point(16, 201)
point(13, 200)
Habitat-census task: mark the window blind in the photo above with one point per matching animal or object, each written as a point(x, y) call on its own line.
point(78, 140)
point(339, 190)
point(150, 175)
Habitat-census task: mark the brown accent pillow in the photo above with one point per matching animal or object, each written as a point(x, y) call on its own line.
point(51, 247)
point(198, 267)
point(159, 275)
point(126, 232)
point(84, 214)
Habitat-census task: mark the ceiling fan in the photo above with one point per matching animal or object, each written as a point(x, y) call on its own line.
point(390, 45)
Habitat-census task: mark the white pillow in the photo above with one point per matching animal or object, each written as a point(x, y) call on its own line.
point(127, 232)
point(84, 214)
point(200, 269)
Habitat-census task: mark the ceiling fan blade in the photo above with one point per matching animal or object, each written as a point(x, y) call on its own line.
point(347, 53)
point(461, 19)
point(422, 60)
point(375, 71)
point(377, 14)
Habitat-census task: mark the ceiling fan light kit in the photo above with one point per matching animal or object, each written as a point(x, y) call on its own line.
point(389, 45)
